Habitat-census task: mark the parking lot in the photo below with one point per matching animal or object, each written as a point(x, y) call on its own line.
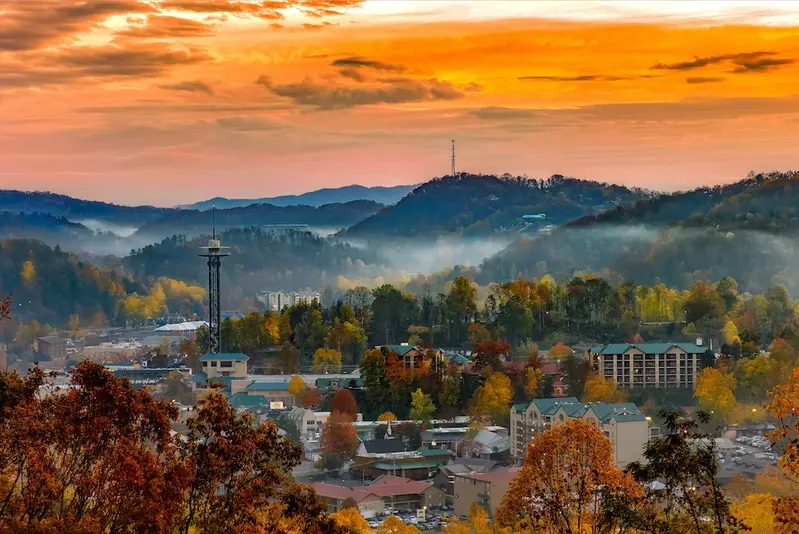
point(435, 518)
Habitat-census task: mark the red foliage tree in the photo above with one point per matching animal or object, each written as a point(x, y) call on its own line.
point(98, 458)
point(343, 401)
point(489, 355)
point(311, 399)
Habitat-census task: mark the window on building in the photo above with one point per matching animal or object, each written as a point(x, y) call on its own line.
point(205, 364)
point(225, 364)
point(213, 364)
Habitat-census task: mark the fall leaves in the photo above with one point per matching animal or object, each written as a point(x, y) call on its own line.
point(567, 478)
point(100, 458)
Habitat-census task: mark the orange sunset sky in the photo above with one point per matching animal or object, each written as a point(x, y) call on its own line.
point(171, 101)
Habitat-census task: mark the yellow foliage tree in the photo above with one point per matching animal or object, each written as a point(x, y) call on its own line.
point(385, 417)
point(730, 333)
point(492, 400)
point(394, 525)
point(296, 385)
point(326, 361)
point(272, 329)
point(756, 512)
point(600, 389)
point(714, 390)
point(28, 273)
point(351, 520)
point(478, 518)
point(534, 382)
point(456, 526)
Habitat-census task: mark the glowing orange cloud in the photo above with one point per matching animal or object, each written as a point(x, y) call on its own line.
point(172, 101)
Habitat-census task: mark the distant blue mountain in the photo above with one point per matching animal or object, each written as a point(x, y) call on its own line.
point(338, 195)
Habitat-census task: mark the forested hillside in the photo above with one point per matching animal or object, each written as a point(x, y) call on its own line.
point(76, 208)
point(478, 205)
point(741, 230)
point(194, 222)
point(49, 285)
point(260, 260)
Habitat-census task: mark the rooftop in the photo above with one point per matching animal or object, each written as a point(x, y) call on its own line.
point(188, 326)
point(268, 386)
point(648, 348)
point(236, 356)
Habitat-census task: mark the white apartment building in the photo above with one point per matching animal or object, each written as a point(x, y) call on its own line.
point(277, 300)
point(648, 365)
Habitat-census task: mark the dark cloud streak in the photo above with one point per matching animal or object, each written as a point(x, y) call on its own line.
point(362, 62)
point(388, 91)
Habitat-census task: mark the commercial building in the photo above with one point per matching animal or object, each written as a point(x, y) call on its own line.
point(624, 424)
point(224, 365)
point(384, 492)
point(648, 365)
point(485, 489)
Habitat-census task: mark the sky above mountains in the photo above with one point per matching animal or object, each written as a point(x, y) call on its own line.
point(173, 101)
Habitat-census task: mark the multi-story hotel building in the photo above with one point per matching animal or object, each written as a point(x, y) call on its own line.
point(648, 365)
point(624, 424)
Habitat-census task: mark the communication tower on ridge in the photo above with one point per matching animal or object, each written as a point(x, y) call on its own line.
point(214, 252)
point(453, 157)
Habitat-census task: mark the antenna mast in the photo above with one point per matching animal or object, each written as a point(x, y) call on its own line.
point(453, 157)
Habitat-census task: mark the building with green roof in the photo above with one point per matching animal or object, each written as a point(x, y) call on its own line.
point(648, 365)
point(623, 423)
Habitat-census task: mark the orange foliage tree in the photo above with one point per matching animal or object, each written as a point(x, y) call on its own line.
point(784, 406)
point(339, 436)
point(568, 475)
point(343, 401)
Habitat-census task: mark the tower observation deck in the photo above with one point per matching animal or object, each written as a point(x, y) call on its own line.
point(214, 252)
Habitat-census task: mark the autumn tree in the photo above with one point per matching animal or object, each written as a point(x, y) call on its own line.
point(344, 402)
point(394, 525)
point(600, 389)
point(239, 476)
point(311, 399)
point(326, 361)
point(351, 520)
point(755, 512)
point(339, 438)
point(489, 355)
point(560, 352)
point(784, 406)
point(567, 479)
point(386, 417)
point(714, 389)
point(422, 407)
point(296, 385)
point(97, 458)
point(492, 399)
point(533, 382)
